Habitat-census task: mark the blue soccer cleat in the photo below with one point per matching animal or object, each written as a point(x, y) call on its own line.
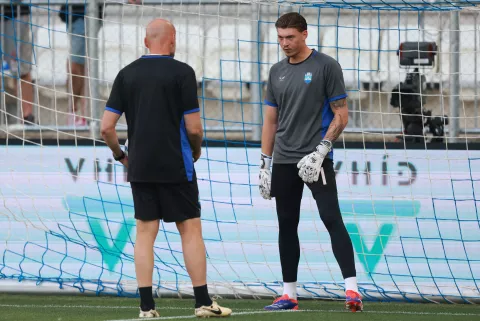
point(283, 303)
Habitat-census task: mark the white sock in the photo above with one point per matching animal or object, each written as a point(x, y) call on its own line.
point(290, 288)
point(351, 284)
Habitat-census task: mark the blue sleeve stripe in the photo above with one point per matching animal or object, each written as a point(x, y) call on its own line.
point(113, 110)
point(270, 103)
point(191, 111)
point(337, 97)
point(186, 151)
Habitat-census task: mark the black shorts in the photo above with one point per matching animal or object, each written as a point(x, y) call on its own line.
point(165, 201)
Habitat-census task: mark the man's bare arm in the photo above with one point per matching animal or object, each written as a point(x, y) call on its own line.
point(270, 125)
point(109, 134)
point(193, 125)
point(340, 119)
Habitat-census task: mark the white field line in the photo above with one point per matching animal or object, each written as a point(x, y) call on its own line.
point(300, 311)
point(241, 311)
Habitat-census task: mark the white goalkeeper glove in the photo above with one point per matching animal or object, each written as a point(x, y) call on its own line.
point(311, 165)
point(265, 176)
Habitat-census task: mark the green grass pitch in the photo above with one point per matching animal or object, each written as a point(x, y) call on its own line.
point(65, 308)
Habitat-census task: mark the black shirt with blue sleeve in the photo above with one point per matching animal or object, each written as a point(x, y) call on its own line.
point(155, 92)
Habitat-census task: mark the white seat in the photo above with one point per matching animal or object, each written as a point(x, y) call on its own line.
point(271, 51)
point(467, 61)
point(229, 60)
point(190, 48)
point(356, 50)
point(390, 71)
point(119, 45)
point(49, 68)
point(313, 40)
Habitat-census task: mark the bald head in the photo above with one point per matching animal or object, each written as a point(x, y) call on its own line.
point(160, 37)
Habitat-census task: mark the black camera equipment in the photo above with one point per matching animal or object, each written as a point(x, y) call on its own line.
point(409, 95)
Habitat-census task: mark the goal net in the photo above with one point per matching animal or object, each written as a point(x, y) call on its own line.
point(407, 166)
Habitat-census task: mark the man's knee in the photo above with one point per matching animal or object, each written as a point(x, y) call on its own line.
point(331, 222)
point(147, 227)
point(330, 213)
point(27, 76)
point(77, 69)
point(191, 226)
point(288, 211)
point(288, 221)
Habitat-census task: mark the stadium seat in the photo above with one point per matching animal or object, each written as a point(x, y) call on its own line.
point(119, 45)
point(190, 49)
point(49, 68)
point(230, 61)
point(467, 62)
point(356, 49)
point(271, 51)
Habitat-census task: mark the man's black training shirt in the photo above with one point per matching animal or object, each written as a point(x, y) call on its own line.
point(155, 92)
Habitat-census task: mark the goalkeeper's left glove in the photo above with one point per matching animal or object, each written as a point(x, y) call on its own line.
point(310, 165)
point(265, 176)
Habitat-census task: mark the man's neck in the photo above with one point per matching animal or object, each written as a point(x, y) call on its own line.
point(301, 56)
point(158, 54)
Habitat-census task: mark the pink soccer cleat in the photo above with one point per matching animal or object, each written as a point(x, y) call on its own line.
point(353, 301)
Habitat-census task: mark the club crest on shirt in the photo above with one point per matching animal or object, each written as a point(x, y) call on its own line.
point(308, 77)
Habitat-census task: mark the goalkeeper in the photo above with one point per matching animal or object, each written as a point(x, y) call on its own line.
point(306, 112)
point(158, 95)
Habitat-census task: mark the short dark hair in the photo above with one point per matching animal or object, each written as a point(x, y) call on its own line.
point(292, 20)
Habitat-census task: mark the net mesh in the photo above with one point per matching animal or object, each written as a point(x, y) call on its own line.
point(67, 210)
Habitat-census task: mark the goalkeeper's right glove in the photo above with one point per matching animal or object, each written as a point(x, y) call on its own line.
point(265, 176)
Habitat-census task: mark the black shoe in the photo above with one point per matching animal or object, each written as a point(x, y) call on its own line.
point(29, 120)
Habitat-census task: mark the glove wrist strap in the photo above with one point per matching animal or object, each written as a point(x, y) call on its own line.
point(265, 161)
point(326, 143)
